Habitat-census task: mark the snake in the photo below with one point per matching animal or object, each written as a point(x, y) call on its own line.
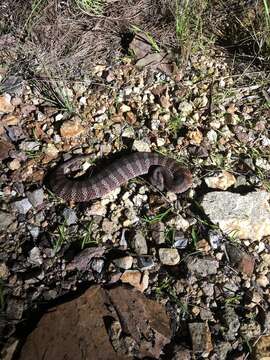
point(165, 173)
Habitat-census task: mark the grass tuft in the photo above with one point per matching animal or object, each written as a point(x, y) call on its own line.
point(91, 7)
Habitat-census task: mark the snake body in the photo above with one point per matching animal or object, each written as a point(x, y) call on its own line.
point(167, 174)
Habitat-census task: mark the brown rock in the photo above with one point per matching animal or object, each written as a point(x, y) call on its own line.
point(243, 261)
point(137, 279)
point(5, 148)
point(71, 128)
point(5, 104)
point(201, 337)
point(130, 117)
point(262, 348)
point(102, 325)
point(222, 181)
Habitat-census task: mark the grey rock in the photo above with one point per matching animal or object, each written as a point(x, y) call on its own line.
point(145, 262)
point(158, 233)
point(6, 219)
point(124, 262)
point(4, 271)
point(180, 241)
point(70, 216)
point(169, 257)
point(36, 197)
point(202, 267)
point(29, 146)
point(215, 239)
point(15, 133)
point(34, 231)
point(246, 216)
point(22, 206)
point(97, 265)
point(35, 257)
point(232, 322)
point(139, 244)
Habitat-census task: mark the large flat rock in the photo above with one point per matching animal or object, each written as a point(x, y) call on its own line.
point(244, 216)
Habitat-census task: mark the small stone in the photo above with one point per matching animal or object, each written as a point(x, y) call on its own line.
point(131, 117)
point(186, 108)
point(4, 271)
point(158, 233)
point(165, 102)
point(124, 262)
point(136, 278)
point(212, 136)
point(139, 244)
point(180, 241)
point(14, 164)
point(6, 219)
point(34, 231)
point(141, 145)
point(5, 149)
point(169, 257)
point(70, 216)
point(200, 337)
point(243, 261)
point(29, 146)
point(215, 239)
point(109, 227)
point(36, 197)
point(262, 281)
point(145, 262)
point(160, 142)
point(128, 132)
point(232, 322)
point(34, 257)
point(97, 265)
point(51, 151)
point(222, 181)
point(196, 137)
point(71, 128)
point(22, 206)
point(262, 348)
point(97, 209)
point(125, 108)
point(202, 267)
point(5, 104)
point(59, 117)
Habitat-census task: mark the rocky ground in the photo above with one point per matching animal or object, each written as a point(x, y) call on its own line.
point(203, 257)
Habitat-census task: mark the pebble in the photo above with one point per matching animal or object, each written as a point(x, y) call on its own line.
point(51, 151)
point(4, 271)
point(128, 132)
point(6, 219)
point(70, 216)
point(202, 267)
point(29, 146)
point(14, 164)
point(71, 128)
point(201, 337)
point(5, 104)
point(169, 256)
point(222, 181)
point(35, 257)
point(158, 233)
point(140, 145)
point(124, 262)
point(180, 241)
point(36, 197)
point(97, 209)
point(145, 262)
point(138, 279)
point(22, 206)
point(139, 244)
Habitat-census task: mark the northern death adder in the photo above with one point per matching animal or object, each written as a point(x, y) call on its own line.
point(166, 174)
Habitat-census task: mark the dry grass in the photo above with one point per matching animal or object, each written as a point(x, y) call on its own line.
point(74, 35)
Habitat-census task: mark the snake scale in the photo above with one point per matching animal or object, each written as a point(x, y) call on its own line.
point(166, 174)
